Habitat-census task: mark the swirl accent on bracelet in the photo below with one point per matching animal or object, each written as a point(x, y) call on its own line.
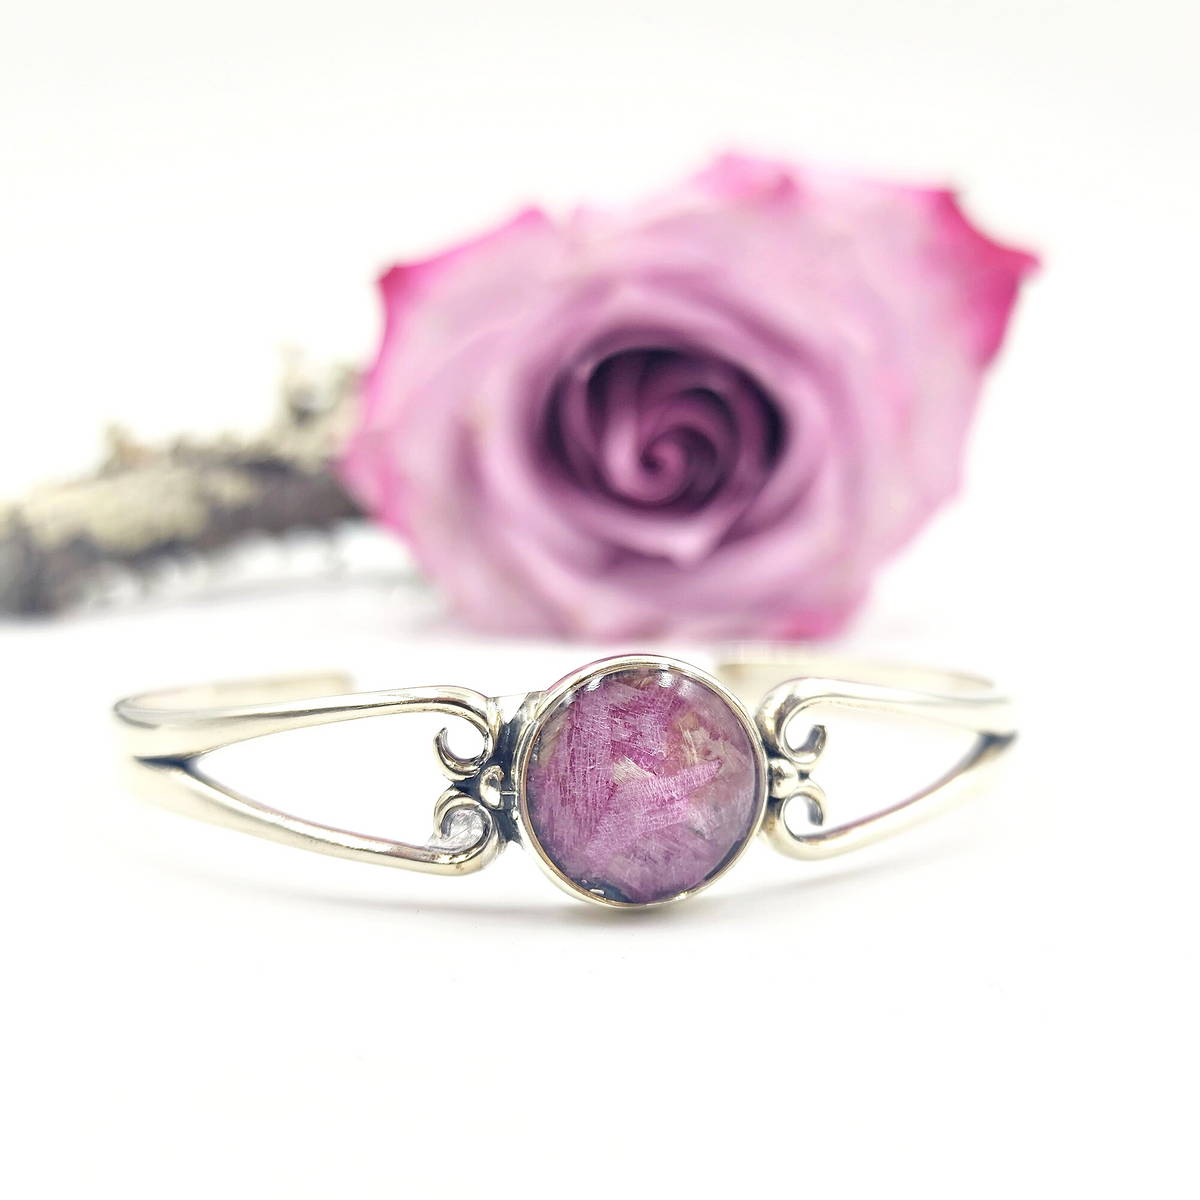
point(789, 765)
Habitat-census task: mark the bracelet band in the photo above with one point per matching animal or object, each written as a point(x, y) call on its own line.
point(634, 781)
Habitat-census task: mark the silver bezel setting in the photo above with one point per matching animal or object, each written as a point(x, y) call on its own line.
point(548, 703)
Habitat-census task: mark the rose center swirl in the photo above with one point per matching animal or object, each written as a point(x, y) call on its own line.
point(662, 429)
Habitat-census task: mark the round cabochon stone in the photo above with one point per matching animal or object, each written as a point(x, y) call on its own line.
point(641, 784)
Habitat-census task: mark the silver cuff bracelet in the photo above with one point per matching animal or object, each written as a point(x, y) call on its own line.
point(634, 781)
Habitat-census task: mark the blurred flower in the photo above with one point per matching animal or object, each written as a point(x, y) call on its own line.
point(712, 415)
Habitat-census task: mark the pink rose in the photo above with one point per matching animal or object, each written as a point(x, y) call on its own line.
point(713, 415)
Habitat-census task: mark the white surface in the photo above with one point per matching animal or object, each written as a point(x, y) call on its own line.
point(1002, 1004)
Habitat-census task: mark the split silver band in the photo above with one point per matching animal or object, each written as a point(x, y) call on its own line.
point(166, 733)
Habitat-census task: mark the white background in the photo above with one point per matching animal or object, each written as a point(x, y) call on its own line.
point(998, 1005)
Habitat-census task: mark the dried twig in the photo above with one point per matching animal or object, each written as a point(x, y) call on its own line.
point(146, 506)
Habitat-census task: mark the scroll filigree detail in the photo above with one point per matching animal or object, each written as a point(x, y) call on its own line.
point(789, 765)
point(465, 813)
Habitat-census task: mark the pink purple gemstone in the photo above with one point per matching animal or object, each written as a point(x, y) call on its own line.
point(641, 784)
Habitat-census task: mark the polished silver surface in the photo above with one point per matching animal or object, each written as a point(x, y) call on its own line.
point(166, 733)
point(946, 698)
